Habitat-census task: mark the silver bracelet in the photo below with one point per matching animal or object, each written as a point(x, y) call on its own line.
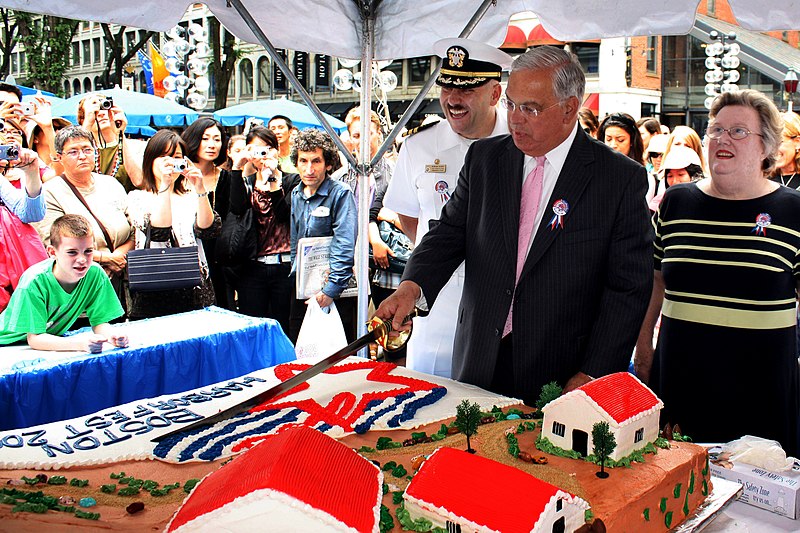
point(201, 195)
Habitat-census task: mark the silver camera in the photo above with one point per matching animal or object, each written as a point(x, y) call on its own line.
point(28, 109)
point(9, 152)
point(259, 151)
point(179, 164)
point(107, 103)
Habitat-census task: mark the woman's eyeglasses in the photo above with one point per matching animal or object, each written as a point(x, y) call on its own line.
point(736, 133)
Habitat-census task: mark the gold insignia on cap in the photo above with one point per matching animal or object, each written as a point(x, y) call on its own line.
point(456, 56)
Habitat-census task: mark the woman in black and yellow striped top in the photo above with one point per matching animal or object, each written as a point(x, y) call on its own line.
point(727, 253)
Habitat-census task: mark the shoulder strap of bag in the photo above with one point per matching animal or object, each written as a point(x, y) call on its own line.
point(80, 197)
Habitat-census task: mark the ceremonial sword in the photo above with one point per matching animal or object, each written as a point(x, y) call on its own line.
point(379, 331)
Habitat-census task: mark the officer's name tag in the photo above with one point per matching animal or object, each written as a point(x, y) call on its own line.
point(321, 211)
point(435, 168)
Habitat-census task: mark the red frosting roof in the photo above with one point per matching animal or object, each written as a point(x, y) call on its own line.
point(620, 395)
point(300, 462)
point(505, 499)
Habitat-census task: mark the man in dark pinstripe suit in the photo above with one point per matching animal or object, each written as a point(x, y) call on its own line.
point(584, 282)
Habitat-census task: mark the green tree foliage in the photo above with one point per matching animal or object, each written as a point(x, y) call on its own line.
point(47, 41)
point(549, 392)
point(468, 418)
point(604, 444)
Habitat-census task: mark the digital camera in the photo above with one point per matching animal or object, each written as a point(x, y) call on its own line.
point(259, 151)
point(9, 152)
point(179, 164)
point(106, 103)
point(28, 109)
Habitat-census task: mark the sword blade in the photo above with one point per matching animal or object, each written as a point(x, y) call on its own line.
point(278, 389)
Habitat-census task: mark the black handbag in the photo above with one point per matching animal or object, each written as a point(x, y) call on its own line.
point(163, 269)
point(238, 240)
point(398, 242)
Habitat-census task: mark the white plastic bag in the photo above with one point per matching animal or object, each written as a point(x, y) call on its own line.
point(322, 332)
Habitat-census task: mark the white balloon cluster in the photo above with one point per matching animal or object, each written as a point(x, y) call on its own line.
point(186, 58)
point(344, 79)
point(722, 64)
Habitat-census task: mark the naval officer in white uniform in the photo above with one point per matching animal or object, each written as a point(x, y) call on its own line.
point(427, 173)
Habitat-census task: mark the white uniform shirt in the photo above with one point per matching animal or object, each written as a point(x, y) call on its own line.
point(424, 179)
point(420, 185)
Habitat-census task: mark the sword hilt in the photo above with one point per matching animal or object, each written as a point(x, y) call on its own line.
point(391, 343)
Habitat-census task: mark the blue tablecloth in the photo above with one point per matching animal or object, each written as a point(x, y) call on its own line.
point(166, 355)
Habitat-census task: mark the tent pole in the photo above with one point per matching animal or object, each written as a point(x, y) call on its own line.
point(415, 103)
point(364, 171)
point(263, 41)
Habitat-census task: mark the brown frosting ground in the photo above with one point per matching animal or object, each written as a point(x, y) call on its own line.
point(619, 501)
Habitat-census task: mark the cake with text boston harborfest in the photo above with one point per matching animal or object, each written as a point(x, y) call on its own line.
point(364, 446)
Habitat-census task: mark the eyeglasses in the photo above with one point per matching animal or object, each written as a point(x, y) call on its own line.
point(736, 133)
point(656, 154)
point(525, 109)
point(88, 152)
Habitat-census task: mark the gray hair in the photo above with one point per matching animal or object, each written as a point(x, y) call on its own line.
point(768, 116)
point(69, 133)
point(568, 77)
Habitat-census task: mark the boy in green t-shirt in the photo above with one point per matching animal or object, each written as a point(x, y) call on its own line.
point(53, 293)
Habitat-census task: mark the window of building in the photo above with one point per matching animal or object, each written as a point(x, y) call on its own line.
point(87, 85)
point(14, 63)
point(397, 68)
point(76, 87)
point(98, 83)
point(652, 54)
point(130, 41)
point(639, 436)
point(142, 82)
point(76, 54)
point(419, 69)
point(246, 77)
point(559, 429)
point(67, 88)
point(232, 87)
point(86, 47)
point(588, 56)
point(86, 26)
point(96, 49)
point(262, 85)
point(22, 61)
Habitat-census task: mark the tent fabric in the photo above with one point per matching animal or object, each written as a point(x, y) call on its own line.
point(141, 109)
point(300, 114)
point(407, 28)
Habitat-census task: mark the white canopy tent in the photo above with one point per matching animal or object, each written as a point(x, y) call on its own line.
point(397, 29)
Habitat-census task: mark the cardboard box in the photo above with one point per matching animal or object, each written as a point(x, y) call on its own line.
point(775, 492)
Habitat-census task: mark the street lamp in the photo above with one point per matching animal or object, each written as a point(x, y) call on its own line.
point(722, 65)
point(790, 84)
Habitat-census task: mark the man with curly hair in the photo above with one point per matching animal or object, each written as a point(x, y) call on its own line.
point(323, 207)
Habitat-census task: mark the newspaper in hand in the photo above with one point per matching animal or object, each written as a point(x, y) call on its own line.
point(313, 267)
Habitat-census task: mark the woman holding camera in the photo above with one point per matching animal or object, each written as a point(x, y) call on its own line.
point(205, 141)
point(115, 157)
point(263, 283)
point(20, 246)
point(174, 203)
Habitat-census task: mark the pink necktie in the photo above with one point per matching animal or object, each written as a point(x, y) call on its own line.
point(528, 208)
